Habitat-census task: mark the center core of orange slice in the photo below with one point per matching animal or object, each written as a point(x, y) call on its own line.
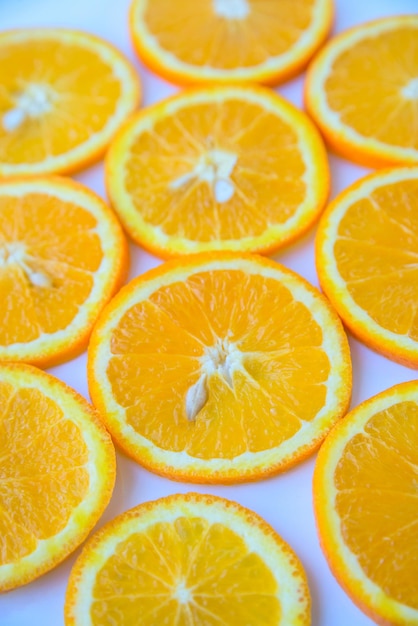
point(15, 253)
point(32, 103)
point(231, 9)
point(214, 167)
point(410, 90)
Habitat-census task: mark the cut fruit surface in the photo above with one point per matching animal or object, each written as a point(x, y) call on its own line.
point(367, 261)
point(57, 472)
point(63, 95)
point(366, 505)
point(218, 168)
point(187, 559)
point(219, 368)
point(362, 91)
point(62, 256)
point(228, 40)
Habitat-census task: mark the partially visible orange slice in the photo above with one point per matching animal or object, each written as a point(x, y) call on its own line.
point(229, 40)
point(367, 261)
point(57, 472)
point(63, 95)
point(187, 559)
point(219, 368)
point(366, 504)
point(218, 168)
point(62, 256)
point(362, 91)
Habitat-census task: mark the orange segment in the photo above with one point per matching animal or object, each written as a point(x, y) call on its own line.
point(63, 95)
point(218, 168)
point(57, 472)
point(187, 559)
point(219, 40)
point(368, 110)
point(219, 368)
point(367, 255)
point(62, 256)
point(366, 504)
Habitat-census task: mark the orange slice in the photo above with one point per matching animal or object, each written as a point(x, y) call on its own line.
point(62, 256)
point(218, 168)
point(366, 506)
point(219, 368)
point(63, 94)
point(57, 472)
point(224, 40)
point(187, 559)
point(362, 91)
point(367, 261)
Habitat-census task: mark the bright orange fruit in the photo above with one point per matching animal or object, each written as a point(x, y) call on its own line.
point(62, 256)
point(366, 257)
point(187, 559)
point(362, 91)
point(57, 472)
point(63, 95)
point(219, 368)
point(366, 505)
point(228, 40)
point(235, 168)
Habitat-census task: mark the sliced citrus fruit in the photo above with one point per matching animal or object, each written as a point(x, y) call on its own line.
point(366, 505)
point(62, 256)
point(187, 559)
point(57, 472)
point(367, 261)
point(63, 94)
point(219, 368)
point(228, 40)
point(218, 168)
point(362, 91)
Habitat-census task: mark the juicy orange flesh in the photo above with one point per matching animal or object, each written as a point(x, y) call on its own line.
point(80, 88)
point(267, 177)
point(42, 235)
point(42, 475)
point(158, 343)
point(377, 256)
point(366, 87)
point(189, 571)
point(208, 39)
point(377, 500)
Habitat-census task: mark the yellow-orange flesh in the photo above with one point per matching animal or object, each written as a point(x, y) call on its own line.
point(189, 559)
point(365, 493)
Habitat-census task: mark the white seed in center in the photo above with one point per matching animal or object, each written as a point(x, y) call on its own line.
point(231, 9)
point(33, 102)
point(410, 91)
point(214, 167)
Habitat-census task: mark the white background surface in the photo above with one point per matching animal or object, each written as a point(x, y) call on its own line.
point(284, 501)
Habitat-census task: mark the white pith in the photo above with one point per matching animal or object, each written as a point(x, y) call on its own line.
point(15, 253)
point(224, 358)
point(231, 9)
point(33, 102)
point(410, 90)
point(214, 167)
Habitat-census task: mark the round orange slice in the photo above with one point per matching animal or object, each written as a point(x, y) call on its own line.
point(57, 472)
point(63, 95)
point(187, 559)
point(62, 256)
point(228, 40)
point(219, 368)
point(367, 261)
point(366, 506)
point(362, 91)
point(215, 168)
